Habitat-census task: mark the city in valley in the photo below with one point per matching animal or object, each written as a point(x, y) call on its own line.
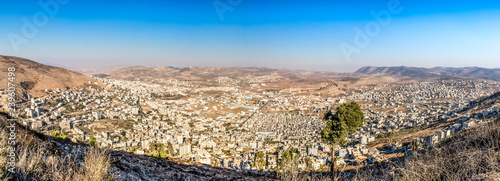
point(245, 119)
point(242, 90)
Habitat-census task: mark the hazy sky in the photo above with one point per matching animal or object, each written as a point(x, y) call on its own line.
point(339, 36)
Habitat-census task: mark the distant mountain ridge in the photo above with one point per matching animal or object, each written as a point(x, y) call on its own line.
point(476, 72)
point(92, 70)
point(200, 73)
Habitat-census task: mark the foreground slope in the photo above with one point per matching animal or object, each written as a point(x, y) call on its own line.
point(41, 157)
point(474, 154)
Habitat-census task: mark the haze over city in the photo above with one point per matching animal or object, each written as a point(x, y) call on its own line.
point(314, 35)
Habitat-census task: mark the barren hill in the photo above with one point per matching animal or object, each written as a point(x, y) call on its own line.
point(200, 73)
point(33, 77)
point(297, 81)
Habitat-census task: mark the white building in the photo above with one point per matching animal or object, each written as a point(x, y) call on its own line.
point(185, 149)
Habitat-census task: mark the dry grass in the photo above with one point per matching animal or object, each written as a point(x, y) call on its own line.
point(96, 165)
point(474, 154)
point(40, 160)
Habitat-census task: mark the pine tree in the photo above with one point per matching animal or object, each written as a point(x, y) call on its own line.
point(347, 118)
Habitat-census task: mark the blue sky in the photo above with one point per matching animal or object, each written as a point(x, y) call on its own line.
point(273, 33)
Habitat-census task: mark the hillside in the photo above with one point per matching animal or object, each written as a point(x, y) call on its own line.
point(473, 154)
point(34, 78)
point(417, 72)
point(42, 157)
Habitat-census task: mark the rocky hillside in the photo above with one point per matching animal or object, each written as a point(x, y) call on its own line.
point(473, 154)
point(33, 78)
point(417, 72)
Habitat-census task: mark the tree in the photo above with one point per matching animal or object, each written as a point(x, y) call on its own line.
point(351, 114)
point(259, 160)
point(163, 154)
point(170, 148)
point(308, 161)
point(289, 160)
point(55, 134)
point(347, 118)
point(59, 135)
point(92, 141)
point(158, 150)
